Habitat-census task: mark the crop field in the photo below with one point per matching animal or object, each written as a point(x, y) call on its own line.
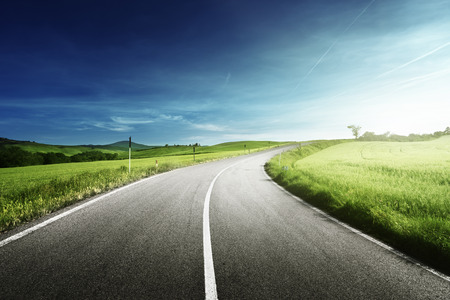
point(399, 192)
point(33, 191)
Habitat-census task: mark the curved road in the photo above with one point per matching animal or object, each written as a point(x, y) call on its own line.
point(146, 241)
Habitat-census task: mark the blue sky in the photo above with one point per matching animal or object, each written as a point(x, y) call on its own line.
point(181, 72)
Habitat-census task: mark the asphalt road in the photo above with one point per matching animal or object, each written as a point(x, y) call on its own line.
point(145, 241)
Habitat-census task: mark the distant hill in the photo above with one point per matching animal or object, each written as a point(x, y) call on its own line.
point(188, 150)
point(34, 147)
point(139, 150)
point(15, 153)
point(123, 146)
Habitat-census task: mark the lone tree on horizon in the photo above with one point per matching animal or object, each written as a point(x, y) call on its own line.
point(355, 130)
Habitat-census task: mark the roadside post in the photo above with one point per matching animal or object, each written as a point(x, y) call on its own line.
point(194, 152)
point(129, 156)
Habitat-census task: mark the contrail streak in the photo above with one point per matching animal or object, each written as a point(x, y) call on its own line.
point(332, 45)
point(414, 60)
point(360, 14)
point(316, 64)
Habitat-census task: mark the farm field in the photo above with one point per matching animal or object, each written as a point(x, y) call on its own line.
point(399, 192)
point(33, 191)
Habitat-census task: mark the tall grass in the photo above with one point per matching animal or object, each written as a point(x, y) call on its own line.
point(30, 192)
point(399, 192)
point(38, 199)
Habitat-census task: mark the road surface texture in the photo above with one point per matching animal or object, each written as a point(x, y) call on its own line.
point(146, 241)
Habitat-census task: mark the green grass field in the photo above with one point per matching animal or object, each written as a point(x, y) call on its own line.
point(33, 191)
point(399, 192)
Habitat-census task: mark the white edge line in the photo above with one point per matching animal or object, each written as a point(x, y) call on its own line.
point(367, 237)
point(64, 214)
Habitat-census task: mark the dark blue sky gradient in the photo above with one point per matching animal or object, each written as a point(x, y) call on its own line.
point(179, 72)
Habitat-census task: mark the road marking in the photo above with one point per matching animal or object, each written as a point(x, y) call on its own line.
point(367, 237)
point(71, 211)
point(210, 278)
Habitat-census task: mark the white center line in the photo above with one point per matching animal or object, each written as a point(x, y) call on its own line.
point(210, 278)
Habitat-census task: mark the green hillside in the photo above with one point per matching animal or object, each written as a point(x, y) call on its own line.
point(144, 150)
point(247, 145)
point(188, 150)
point(122, 146)
point(34, 147)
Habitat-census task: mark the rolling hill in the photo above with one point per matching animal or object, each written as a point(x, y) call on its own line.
point(34, 147)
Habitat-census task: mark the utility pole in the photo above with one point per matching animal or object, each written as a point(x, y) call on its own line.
point(129, 155)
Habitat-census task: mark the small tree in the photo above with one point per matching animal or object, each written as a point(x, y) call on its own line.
point(447, 131)
point(355, 130)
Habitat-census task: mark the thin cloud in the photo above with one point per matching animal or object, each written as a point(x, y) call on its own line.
point(183, 120)
point(129, 121)
point(112, 126)
point(170, 117)
point(244, 136)
point(208, 127)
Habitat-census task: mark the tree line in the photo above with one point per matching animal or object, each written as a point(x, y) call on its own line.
point(371, 136)
point(17, 157)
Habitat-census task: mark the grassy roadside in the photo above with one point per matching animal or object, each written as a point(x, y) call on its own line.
point(30, 192)
point(398, 192)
